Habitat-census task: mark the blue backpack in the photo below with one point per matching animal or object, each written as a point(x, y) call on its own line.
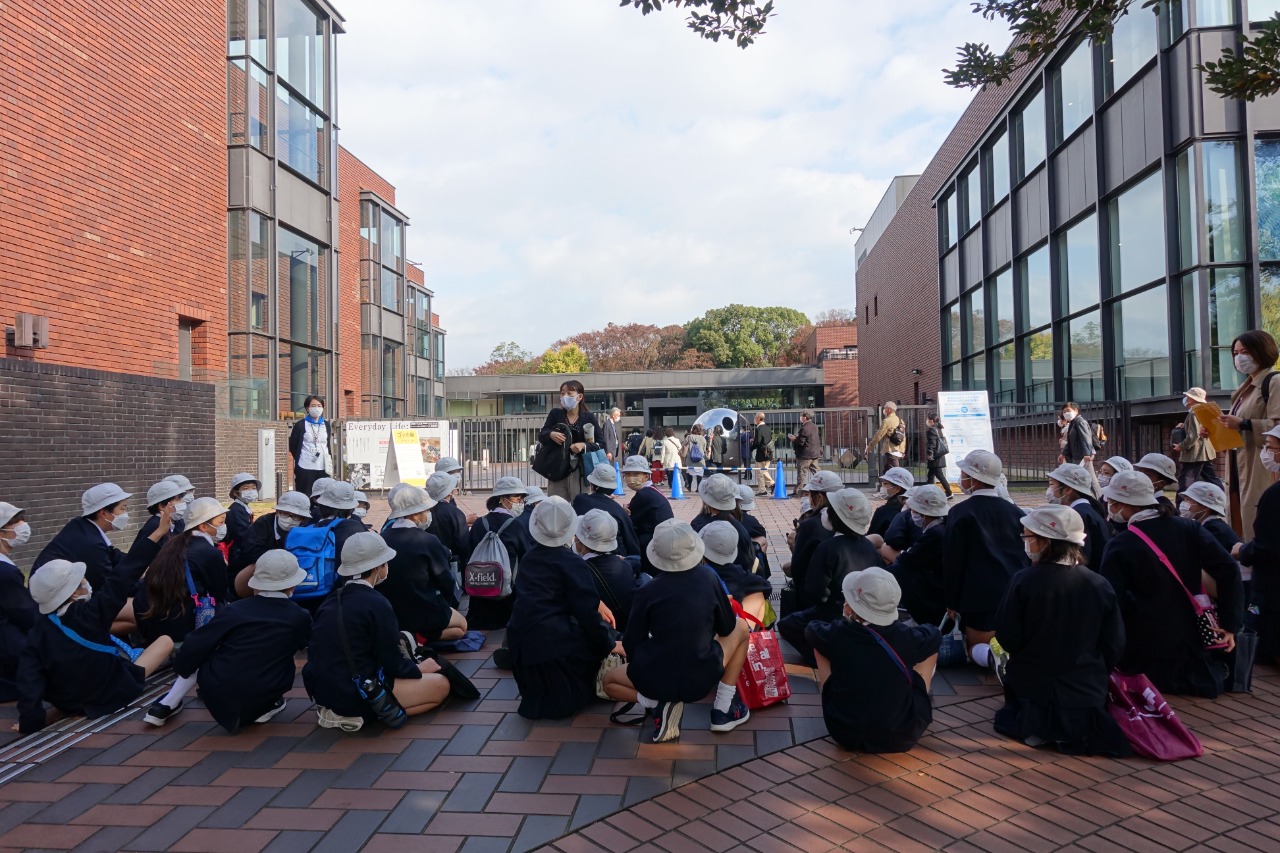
point(317, 551)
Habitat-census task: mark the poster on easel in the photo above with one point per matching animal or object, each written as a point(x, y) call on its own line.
point(366, 444)
point(966, 421)
point(404, 460)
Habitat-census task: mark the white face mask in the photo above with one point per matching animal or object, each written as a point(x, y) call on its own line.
point(1245, 364)
point(516, 509)
point(425, 523)
point(1068, 416)
point(569, 401)
point(805, 505)
point(249, 495)
point(382, 577)
point(286, 522)
point(220, 533)
point(1112, 515)
point(21, 534)
point(120, 522)
point(89, 592)
point(1269, 460)
point(1184, 510)
point(826, 522)
point(359, 512)
point(1104, 480)
point(917, 519)
point(1026, 546)
point(315, 412)
point(1050, 495)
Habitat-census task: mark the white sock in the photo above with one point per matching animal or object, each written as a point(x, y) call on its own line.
point(981, 654)
point(724, 696)
point(645, 701)
point(180, 688)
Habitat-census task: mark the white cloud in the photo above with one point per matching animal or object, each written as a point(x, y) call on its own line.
point(567, 163)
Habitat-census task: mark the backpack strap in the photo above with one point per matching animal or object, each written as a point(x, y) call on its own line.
point(888, 648)
point(613, 599)
point(114, 651)
point(1266, 388)
point(346, 645)
point(504, 526)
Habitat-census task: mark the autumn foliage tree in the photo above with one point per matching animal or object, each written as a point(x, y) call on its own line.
point(637, 346)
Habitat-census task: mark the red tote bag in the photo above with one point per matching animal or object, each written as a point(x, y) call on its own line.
point(1153, 729)
point(763, 681)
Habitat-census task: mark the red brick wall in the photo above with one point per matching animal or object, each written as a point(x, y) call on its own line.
point(414, 274)
point(840, 378)
point(114, 195)
point(828, 337)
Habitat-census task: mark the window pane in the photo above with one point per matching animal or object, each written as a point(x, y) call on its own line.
point(1029, 125)
point(1217, 13)
point(1188, 239)
point(1078, 265)
point(392, 379)
point(249, 271)
point(1084, 358)
point(250, 377)
point(1267, 166)
point(951, 334)
point(954, 380)
point(440, 357)
point(950, 223)
point(303, 371)
point(1224, 223)
point(393, 256)
point(391, 287)
point(1131, 46)
point(1006, 378)
point(303, 289)
point(1137, 224)
point(975, 321)
point(247, 28)
point(1228, 318)
point(1073, 92)
point(369, 231)
point(300, 136)
point(1038, 361)
point(998, 169)
point(1142, 345)
point(1002, 302)
point(1036, 288)
point(1179, 18)
point(1192, 347)
point(973, 197)
point(1263, 10)
point(977, 370)
point(300, 49)
point(1270, 291)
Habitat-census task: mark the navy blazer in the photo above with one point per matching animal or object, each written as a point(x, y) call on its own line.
point(260, 538)
point(81, 541)
point(208, 571)
point(239, 519)
point(149, 527)
point(983, 552)
point(449, 525)
point(628, 542)
point(18, 614)
point(420, 585)
point(556, 611)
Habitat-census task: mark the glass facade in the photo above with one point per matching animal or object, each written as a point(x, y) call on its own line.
point(1029, 136)
point(1078, 265)
point(1136, 223)
point(1072, 92)
point(997, 167)
point(1131, 46)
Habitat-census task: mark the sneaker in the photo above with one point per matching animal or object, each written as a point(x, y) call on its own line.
point(665, 725)
point(727, 721)
point(999, 660)
point(272, 711)
point(327, 719)
point(159, 713)
point(408, 645)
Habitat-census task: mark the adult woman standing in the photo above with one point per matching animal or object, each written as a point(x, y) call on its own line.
point(309, 446)
point(1061, 625)
point(1255, 408)
point(935, 453)
point(568, 422)
point(670, 454)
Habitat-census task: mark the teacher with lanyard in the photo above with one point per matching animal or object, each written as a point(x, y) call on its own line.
point(309, 446)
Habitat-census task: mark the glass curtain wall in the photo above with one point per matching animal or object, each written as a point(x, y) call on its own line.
point(384, 300)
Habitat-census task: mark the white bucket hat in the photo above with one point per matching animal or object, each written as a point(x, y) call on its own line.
point(1132, 488)
point(746, 497)
point(181, 480)
point(1056, 522)
point(294, 503)
point(823, 481)
point(1159, 464)
point(604, 477)
point(983, 466)
point(319, 487)
point(873, 594)
point(276, 570)
point(440, 485)
point(718, 492)
point(900, 477)
point(362, 498)
point(1207, 495)
point(636, 465)
point(448, 465)
point(364, 552)
point(101, 497)
point(720, 542)
point(8, 512)
point(54, 582)
point(507, 486)
point(534, 496)
point(338, 495)
point(410, 501)
point(240, 479)
point(853, 508)
point(929, 501)
point(1073, 477)
point(162, 491)
point(598, 531)
point(553, 522)
point(675, 546)
point(203, 510)
point(1119, 463)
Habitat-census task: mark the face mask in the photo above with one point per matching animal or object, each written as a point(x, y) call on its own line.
point(1269, 460)
point(1068, 416)
point(1245, 364)
point(569, 401)
point(383, 577)
point(21, 534)
point(805, 505)
point(826, 522)
point(1112, 515)
point(359, 512)
point(917, 519)
point(1050, 495)
point(249, 495)
point(286, 522)
point(1104, 480)
point(120, 522)
point(425, 523)
point(220, 533)
point(1026, 546)
point(89, 592)
point(1184, 510)
point(516, 509)
point(315, 412)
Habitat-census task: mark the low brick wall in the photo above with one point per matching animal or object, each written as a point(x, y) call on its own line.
point(237, 450)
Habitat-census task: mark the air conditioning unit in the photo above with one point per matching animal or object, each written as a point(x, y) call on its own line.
point(30, 331)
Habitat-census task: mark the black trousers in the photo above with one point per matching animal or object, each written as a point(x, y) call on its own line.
point(939, 474)
point(305, 478)
point(1198, 472)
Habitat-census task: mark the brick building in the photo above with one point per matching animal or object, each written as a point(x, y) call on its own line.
point(835, 350)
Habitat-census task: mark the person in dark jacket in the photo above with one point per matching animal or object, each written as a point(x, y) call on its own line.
point(874, 671)
point(293, 509)
point(720, 546)
point(334, 506)
point(610, 438)
point(936, 451)
point(18, 611)
point(720, 503)
point(894, 485)
point(556, 634)
point(807, 447)
point(243, 659)
point(420, 586)
point(1079, 447)
point(717, 449)
point(57, 669)
point(1162, 638)
point(1071, 485)
point(163, 604)
point(648, 507)
point(244, 491)
point(683, 640)
point(810, 533)
point(615, 578)
point(163, 492)
point(357, 617)
point(1060, 624)
point(901, 535)
point(918, 569)
point(1206, 504)
point(601, 484)
point(448, 521)
point(1163, 473)
point(103, 508)
point(848, 513)
point(309, 445)
point(506, 503)
point(1262, 553)
point(762, 455)
point(570, 422)
point(759, 536)
point(983, 547)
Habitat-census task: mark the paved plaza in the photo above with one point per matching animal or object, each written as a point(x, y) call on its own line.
point(477, 777)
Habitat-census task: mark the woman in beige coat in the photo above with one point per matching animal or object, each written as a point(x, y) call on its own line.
point(1255, 356)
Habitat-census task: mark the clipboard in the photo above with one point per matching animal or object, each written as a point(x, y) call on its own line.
point(1222, 437)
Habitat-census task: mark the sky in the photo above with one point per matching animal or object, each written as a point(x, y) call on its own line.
point(570, 163)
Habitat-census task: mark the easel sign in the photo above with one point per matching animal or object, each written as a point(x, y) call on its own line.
point(404, 460)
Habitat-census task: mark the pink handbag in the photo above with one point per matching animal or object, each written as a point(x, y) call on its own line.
point(1152, 728)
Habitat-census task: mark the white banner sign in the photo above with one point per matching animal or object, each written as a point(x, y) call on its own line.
point(966, 421)
point(365, 448)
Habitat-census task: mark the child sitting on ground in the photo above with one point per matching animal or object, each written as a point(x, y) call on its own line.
point(720, 546)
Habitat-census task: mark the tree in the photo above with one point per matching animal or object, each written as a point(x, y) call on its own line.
point(741, 21)
point(567, 359)
point(637, 346)
point(836, 317)
point(745, 336)
point(507, 358)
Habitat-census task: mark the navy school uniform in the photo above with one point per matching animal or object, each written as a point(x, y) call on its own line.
point(822, 597)
point(1220, 530)
point(239, 519)
point(648, 508)
point(672, 652)
point(175, 527)
point(902, 532)
point(374, 637)
point(419, 584)
point(983, 552)
point(261, 537)
point(919, 573)
point(755, 530)
point(615, 582)
point(746, 556)
point(208, 571)
point(869, 703)
point(74, 679)
point(449, 525)
point(244, 657)
point(809, 535)
point(485, 614)
point(556, 636)
point(884, 515)
point(1096, 529)
point(628, 542)
point(740, 582)
point(18, 614)
point(82, 541)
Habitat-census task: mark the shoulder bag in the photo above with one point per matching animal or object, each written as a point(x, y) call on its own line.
point(1206, 613)
point(552, 460)
point(374, 691)
point(120, 649)
point(205, 604)
point(884, 644)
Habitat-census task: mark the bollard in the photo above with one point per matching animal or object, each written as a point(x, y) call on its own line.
point(780, 484)
point(617, 470)
point(677, 484)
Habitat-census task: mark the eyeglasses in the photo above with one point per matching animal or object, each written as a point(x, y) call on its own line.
point(1030, 536)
